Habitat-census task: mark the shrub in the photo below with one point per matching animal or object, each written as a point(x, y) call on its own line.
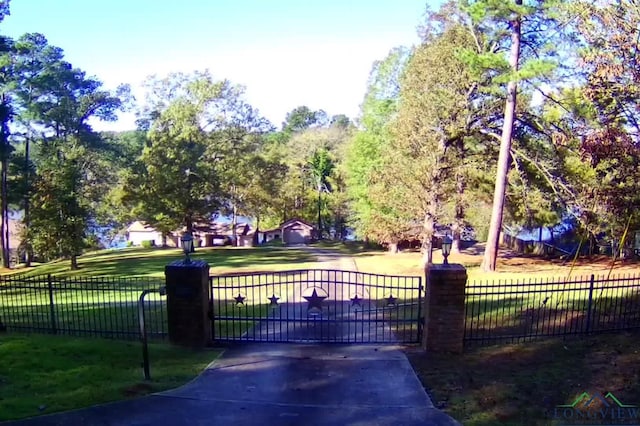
point(148, 243)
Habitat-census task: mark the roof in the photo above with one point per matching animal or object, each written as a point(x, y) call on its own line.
point(139, 226)
point(269, 231)
point(223, 229)
point(291, 222)
point(215, 228)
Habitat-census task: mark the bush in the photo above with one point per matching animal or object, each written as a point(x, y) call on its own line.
point(148, 243)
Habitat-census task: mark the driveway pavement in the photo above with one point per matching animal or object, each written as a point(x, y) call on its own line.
point(280, 384)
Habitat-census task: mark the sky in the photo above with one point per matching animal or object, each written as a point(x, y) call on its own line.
point(286, 53)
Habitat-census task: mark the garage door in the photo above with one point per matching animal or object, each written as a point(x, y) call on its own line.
point(294, 235)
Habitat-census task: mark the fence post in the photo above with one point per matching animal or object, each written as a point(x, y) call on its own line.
point(52, 308)
point(188, 303)
point(444, 308)
point(590, 303)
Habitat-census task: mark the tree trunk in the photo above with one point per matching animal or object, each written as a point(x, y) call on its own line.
point(28, 252)
point(4, 189)
point(393, 248)
point(458, 222)
point(455, 241)
point(319, 215)
point(74, 263)
point(256, 240)
point(428, 230)
point(234, 225)
point(4, 226)
point(491, 251)
point(189, 229)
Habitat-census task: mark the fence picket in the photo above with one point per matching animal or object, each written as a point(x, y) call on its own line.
point(52, 307)
point(80, 307)
point(505, 311)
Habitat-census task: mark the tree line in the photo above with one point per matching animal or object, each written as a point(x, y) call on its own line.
point(519, 112)
point(200, 149)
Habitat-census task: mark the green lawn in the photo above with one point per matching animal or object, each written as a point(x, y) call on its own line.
point(141, 262)
point(510, 266)
point(107, 307)
point(46, 374)
point(522, 384)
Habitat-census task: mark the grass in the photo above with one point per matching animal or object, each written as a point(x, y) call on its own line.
point(46, 374)
point(150, 262)
point(346, 247)
point(522, 384)
point(510, 266)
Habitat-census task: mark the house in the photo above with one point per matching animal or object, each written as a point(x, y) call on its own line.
point(221, 234)
point(139, 231)
point(293, 231)
point(204, 235)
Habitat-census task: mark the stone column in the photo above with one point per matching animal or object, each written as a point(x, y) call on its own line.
point(188, 303)
point(444, 308)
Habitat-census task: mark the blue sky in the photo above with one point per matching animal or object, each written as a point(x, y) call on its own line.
point(286, 53)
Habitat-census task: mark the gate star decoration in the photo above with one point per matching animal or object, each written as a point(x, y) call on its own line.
point(356, 301)
point(239, 300)
point(274, 300)
point(315, 300)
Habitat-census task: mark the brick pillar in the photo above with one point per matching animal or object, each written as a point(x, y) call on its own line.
point(188, 303)
point(444, 308)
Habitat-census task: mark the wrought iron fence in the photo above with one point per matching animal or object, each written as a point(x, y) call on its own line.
point(521, 310)
point(316, 305)
point(81, 306)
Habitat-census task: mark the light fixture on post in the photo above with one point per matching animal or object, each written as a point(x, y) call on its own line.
point(446, 248)
point(187, 246)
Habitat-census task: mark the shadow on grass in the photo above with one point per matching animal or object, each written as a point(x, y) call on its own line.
point(523, 384)
point(531, 315)
point(151, 262)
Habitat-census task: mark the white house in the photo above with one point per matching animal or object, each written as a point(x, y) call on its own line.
point(138, 232)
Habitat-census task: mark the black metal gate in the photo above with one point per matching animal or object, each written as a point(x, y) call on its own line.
point(316, 305)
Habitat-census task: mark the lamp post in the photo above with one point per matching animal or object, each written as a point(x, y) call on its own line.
point(187, 246)
point(446, 248)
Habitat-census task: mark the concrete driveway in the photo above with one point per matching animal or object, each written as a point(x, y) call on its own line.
point(281, 384)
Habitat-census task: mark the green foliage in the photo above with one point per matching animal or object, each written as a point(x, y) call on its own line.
point(147, 243)
point(302, 118)
point(364, 156)
point(177, 179)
